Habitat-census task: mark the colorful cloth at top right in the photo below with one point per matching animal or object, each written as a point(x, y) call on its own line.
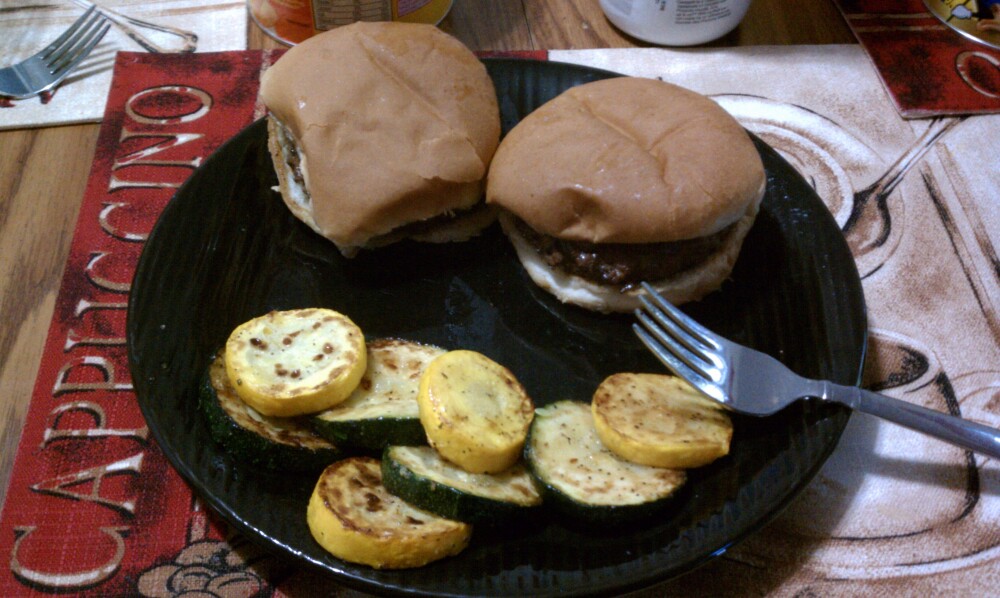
point(935, 57)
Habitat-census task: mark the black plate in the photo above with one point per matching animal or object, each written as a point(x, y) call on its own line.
point(226, 249)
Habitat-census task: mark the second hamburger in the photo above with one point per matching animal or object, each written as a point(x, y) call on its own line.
point(626, 180)
point(382, 131)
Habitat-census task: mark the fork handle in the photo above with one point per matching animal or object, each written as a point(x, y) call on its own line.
point(960, 432)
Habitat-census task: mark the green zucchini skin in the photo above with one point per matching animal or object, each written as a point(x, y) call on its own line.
point(637, 491)
point(382, 411)
point(288, 446)
point(371, 435)
point(484, 505)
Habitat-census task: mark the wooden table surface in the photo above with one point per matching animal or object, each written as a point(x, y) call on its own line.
point(43, 171)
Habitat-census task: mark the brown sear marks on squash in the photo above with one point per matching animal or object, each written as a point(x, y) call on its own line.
point(416, 367)
point(373, 504)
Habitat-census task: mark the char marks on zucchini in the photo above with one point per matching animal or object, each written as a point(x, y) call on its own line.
point(274, 442)
point(421, 477)
point(585, 479)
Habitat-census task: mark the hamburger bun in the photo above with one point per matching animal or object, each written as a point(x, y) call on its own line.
point(627, 167)
point(380, 131)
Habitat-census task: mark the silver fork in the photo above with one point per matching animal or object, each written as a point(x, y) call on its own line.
point(130, 26)
point(46, 69)
point(754, 383)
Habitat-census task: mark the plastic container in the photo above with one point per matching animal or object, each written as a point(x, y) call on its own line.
point(676, 22)
point(292, 21)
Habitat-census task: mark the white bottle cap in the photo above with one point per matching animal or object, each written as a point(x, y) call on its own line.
point(675, 22)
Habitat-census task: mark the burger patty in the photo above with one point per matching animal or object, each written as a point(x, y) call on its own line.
point(623, 264)
point(294, 162)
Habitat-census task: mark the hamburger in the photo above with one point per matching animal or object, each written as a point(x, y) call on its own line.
point(626, 180)
point(382, 131)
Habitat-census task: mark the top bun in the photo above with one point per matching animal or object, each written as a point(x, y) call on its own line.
point(392, 123)
point(627, 160)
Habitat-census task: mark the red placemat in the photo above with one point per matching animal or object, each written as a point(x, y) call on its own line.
point(93, 507)
point(928, 68)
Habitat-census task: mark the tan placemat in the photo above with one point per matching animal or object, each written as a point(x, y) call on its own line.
point(892, 511)
point(26, 27)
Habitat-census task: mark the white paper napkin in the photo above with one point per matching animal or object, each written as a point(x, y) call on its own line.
point(26, 27)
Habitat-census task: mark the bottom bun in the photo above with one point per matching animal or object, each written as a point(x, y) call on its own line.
point(689, 285)
point(460, 226)
point(457, 227)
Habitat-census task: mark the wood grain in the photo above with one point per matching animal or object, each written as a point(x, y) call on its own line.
point(43, 171)
point(572, 24)
point(42, 176)
point(489, 25)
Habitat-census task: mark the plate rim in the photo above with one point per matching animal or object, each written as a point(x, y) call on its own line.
point(229, 513)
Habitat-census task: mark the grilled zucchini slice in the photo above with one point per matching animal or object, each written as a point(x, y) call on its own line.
point(353, 516)
point(474, 411)
point(660, 420)
point(421, 477)
point(294, 362)
point(581, 477)
point(382, 410)
point(275, 443)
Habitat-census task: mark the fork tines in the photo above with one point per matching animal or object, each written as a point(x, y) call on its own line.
point(47, 68)
point(76, 42)
point(687, 348)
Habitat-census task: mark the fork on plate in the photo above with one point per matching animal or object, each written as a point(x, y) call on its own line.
point(754, 383)
point(46, 69)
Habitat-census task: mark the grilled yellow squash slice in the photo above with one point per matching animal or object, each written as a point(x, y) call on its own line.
point(353, 516)
point(287, 363)
point(474, 411)
point(660, 420)
point(278, 443)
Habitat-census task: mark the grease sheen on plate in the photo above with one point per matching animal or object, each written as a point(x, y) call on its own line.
point(794, 293)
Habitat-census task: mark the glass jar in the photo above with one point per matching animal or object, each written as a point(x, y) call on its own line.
point(292, 21)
